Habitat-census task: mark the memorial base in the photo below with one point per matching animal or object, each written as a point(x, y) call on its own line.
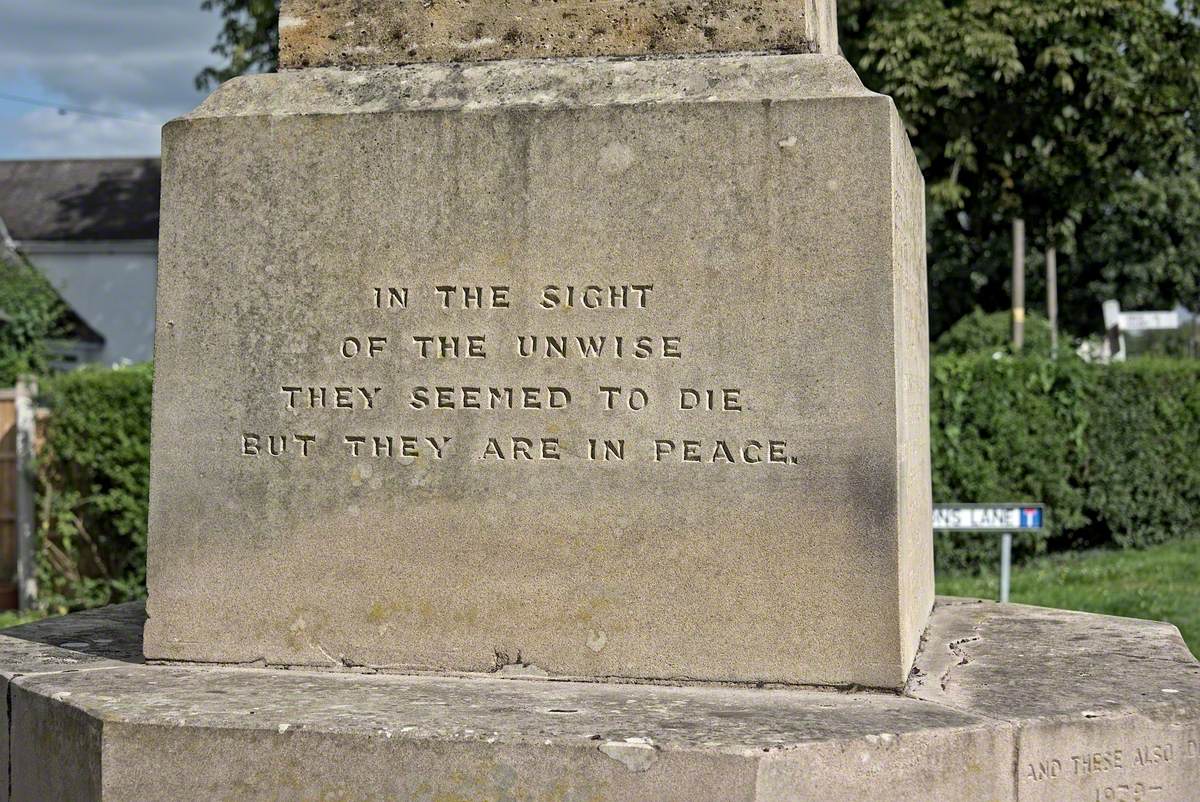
point(1005, 703)
point(742, 225)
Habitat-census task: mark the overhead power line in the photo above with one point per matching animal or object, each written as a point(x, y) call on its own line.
point(64, 108)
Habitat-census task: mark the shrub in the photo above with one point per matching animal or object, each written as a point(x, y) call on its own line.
point(93, 483)
point(991, 333)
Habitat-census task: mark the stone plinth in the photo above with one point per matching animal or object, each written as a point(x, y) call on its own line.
point(617, 369)
point(1005, 703)
point(353, 33)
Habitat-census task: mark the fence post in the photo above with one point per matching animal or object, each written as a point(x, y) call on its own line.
point(1006, 541)
point(26, 420)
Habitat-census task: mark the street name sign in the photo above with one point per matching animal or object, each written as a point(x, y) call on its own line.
point(989, 517)
point(1149, 321)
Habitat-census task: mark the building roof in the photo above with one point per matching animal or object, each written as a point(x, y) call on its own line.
point(80, 200)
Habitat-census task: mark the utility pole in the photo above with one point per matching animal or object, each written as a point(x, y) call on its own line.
point(1018, 285)
point(1052, 298)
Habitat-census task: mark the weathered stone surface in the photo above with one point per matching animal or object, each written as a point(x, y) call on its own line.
point(121, 732)
point(770, 210)
point(429, 738)
point(353, 33)
point(58, 747)
point(76, 641)
point(94, 639)
point(1104, 708)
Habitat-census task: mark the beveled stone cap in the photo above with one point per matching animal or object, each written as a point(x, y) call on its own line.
point(360, 33)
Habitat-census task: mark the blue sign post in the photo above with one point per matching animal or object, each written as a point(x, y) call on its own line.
point(1003, 518)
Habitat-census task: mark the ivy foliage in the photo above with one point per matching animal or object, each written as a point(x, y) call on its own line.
point(33, 315)
point(93, 487)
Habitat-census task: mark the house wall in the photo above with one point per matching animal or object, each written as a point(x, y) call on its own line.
point(111, 286)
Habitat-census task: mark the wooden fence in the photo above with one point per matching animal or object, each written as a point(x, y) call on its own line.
point(18, 425)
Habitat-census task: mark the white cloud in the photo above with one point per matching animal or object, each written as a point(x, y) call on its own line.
point(133, 58)
point(44, 133)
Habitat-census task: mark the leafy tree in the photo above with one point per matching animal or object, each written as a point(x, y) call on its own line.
point(1080, 116)
point(33, 314)
point(1143, 247)
point(249, 41)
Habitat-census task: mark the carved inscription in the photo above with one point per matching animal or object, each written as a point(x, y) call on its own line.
point(412, 363)
point(1136, 772)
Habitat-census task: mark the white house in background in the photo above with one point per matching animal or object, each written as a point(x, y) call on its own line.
point(91, 227)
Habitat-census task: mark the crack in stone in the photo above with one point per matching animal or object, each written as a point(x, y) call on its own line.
point(964, 659)
point(1145, 657)
point(1016, 764)
point(9, 709)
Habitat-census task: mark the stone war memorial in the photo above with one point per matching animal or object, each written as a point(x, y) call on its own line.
point(541, 414)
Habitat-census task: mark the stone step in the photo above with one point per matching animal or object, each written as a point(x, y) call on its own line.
point(1005, 703)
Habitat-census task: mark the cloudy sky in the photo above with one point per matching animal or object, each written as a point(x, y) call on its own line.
point(130, 62)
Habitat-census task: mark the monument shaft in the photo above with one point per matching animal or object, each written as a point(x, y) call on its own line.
point(324, 33)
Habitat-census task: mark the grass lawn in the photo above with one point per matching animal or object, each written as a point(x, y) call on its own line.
point(1160, 584)
point(12, 618)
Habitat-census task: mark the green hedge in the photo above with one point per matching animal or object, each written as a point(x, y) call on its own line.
point(94, 482)
point(1143, 478)
point(1114, 451)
